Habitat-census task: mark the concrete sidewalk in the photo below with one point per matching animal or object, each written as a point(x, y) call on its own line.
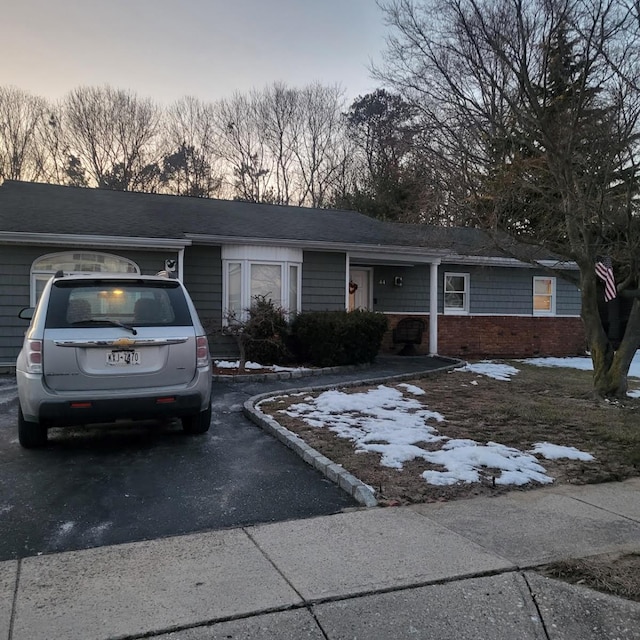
point(456, 570)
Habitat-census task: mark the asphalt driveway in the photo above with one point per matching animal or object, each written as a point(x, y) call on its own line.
point(102, 486)
point(110, 485)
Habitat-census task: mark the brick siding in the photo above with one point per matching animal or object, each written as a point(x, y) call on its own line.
point(498, 336)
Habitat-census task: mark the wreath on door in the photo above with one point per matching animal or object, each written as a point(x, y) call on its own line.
point(352, 286)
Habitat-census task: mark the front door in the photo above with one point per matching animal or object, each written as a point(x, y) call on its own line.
point(359, 289)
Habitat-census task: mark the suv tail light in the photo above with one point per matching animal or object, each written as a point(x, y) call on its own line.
point(34, 356)
point(202, 352)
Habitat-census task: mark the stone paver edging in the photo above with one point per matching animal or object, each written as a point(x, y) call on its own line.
point(360, 491)
point(288, 374)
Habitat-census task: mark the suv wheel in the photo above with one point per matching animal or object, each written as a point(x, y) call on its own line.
point(31, 435)
point(198, 422)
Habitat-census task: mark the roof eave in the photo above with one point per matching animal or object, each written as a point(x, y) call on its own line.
point(356, 250)
point(80, 240)
point(495, 261)
point(316, 245)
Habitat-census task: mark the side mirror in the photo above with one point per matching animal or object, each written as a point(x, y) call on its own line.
point(26, 313)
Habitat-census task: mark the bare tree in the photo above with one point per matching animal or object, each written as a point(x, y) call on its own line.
point(535, 106)
point(284, 146)
point(278, 110)
point(60, 166)
point(320, 149)
point(22, 120)
point(277, 145)
point(242, 146)
point(191, 157)
point(112, 133)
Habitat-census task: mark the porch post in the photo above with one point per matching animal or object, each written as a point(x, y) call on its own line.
point(347, 263)
point(433, 308)
point(181, 264)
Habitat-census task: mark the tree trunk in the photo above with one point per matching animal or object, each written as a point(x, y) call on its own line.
point(610, 366)
point(242, 348)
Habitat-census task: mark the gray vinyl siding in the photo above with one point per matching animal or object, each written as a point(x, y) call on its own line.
point(411, 297)
point(508, 291)
point(203, 279)
point(497, 291)
point(568, 298)
point(15, 270)
point(493, 290)
point(15, 265)
point(323, 281)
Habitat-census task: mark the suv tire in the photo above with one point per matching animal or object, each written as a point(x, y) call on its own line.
point(198, 422)
point(31, 435)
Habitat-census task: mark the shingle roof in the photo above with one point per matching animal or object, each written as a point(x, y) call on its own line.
point(466, 241)
point(469, 241)
point(46, 208)
point(53, 209)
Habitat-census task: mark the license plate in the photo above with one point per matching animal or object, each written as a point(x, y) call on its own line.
point(123, 358)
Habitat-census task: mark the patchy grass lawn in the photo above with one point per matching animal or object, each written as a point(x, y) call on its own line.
point(617, 574)
point(537, 405)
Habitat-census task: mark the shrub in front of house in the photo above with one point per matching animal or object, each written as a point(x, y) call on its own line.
point(333, 338)
point(266, 333)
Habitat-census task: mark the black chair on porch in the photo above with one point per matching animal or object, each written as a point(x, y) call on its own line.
point(408, 332)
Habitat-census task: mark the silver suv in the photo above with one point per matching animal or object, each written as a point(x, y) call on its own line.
point(106, 347)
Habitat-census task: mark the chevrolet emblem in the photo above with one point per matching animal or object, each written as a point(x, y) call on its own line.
point(123, 342)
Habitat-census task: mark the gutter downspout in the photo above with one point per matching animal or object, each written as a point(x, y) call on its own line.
point(433, 308)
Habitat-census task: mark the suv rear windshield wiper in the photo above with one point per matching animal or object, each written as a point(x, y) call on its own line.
point(114, 323)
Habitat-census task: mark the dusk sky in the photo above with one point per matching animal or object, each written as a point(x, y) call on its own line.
point(167, 49)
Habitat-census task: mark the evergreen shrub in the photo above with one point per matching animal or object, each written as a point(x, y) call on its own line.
point(267, 333)
point(334, 338)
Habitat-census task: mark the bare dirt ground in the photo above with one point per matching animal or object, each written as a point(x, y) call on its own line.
point(537, 405)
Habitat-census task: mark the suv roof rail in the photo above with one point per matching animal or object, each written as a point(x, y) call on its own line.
point(59, 274)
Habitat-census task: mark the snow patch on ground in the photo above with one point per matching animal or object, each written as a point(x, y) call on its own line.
point(386, 421)
point(249, 365)
point(394, 423)
point(496, 370)
point(501, 371)
point(556, 452)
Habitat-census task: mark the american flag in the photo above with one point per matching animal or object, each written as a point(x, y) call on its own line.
point(604, 271)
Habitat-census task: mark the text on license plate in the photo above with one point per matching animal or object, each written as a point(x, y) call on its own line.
point(123, 358)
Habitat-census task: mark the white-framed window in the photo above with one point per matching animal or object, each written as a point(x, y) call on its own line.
point(274, 273)
point(544, 296)
point(75, 263)
point(456, 293)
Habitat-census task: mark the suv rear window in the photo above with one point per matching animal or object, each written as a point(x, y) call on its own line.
point(135, 303)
